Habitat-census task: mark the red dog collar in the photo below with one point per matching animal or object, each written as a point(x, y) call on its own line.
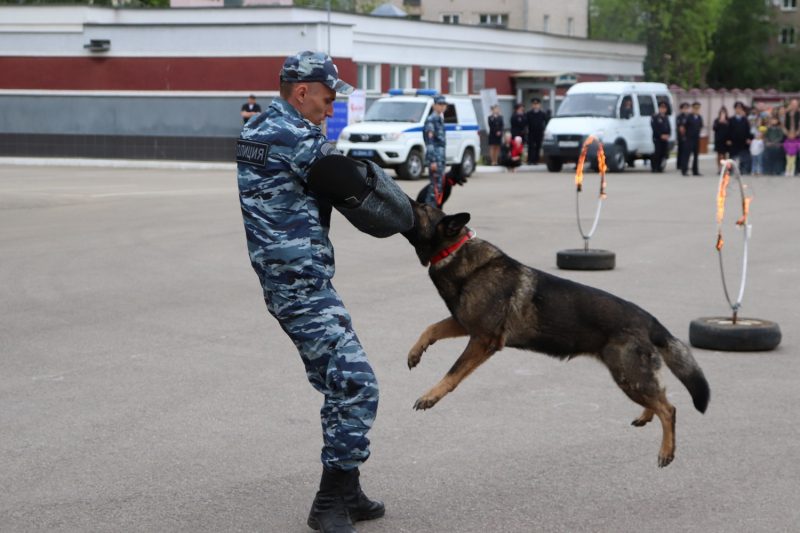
point(448, 251)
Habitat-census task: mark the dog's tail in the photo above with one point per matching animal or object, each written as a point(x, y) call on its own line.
point(680, 360)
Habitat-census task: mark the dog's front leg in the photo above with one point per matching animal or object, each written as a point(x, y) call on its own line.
point(445, 329)
point(477, 352)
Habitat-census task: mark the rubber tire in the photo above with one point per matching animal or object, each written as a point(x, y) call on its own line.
point(554, 164)
point(615, 158)
point(720, 334)
point(406, 171)
point(469, 156)
point(579, 259)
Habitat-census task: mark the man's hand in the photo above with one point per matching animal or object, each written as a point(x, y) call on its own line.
point(434, 167)
point(665, 137)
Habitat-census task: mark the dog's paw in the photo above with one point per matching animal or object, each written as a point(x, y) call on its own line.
point(639, 422)
point(415, 355)
point(665, 460)
point(425, 402)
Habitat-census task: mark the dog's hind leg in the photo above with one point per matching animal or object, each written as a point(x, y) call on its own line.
point(445, 329)
point(635, 369)
point(477, 352)
point(666, 413)
point(646, 416)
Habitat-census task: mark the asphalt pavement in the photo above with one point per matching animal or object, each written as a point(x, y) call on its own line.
point(145, 388)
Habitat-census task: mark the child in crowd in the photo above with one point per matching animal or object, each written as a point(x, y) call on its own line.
point(757, 151)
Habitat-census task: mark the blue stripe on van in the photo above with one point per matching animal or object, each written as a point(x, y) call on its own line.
point(448, 127)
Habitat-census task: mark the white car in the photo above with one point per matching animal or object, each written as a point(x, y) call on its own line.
point(616, 113)
point(391, 133)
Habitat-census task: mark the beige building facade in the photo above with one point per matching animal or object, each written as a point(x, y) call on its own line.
point(787, 20)
point(560, 17)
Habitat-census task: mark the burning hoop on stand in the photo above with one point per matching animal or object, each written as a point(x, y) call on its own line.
point(734, 333)
point(588, 259)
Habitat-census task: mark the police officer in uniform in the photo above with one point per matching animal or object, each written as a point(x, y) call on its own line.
point(496, 129)
point(435, 137)
point(519, 123)
point(692, 125)
point(680, 125)
point(287, 239)
point(537, 121)
point(661, 131)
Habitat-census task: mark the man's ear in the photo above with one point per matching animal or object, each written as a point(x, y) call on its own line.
point(452, 224)
point(301, 91)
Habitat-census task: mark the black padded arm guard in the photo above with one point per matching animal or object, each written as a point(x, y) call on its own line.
point(363, 193)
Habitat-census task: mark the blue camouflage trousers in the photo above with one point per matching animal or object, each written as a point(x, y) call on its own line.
point(336, 365)
point(436, 190)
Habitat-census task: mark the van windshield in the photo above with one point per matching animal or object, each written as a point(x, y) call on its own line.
point(589, 105)
point(388, 111)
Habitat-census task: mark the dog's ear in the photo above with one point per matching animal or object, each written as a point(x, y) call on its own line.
point(452, 224)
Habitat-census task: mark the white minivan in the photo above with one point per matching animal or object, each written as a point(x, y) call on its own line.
point(617, 113)
point(391, 133)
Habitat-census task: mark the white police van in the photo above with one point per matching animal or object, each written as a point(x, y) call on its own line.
point(617, 113)
point(391, 133)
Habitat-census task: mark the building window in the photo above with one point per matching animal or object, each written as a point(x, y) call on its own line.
point(400, 77)
point(451, 18)
point(570, 26)
point(430, 78)
point(458, 81)
point(788, 36)
point(789, 5)
point(478, 80)
point(369, 78)
point(546, 24)
point(494, 20)
point(411, 2)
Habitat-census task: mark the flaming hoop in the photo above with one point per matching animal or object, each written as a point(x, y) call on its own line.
point(601, 163)
point(724, 179)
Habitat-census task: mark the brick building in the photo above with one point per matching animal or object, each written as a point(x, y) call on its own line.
point(169, 83)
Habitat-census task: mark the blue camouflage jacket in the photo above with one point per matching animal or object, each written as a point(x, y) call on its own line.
point(435, 137)
point(286, 225)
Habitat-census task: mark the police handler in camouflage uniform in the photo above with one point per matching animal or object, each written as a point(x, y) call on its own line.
point(287, 238)
point(435, 137)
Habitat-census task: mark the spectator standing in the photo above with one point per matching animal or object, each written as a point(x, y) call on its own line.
point(495, 133)
point(519, 124)
point(680, 124)
point(537, 121)
point(757, 152)
point(739, 138)
point(791, 128)
point(435, 135)
point(721, 136)
point(774, 156)
point(250, 109)
point(693, 125)
point(661, 131)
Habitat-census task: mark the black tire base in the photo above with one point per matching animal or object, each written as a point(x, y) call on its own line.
point(580, 259)
point(747, 335)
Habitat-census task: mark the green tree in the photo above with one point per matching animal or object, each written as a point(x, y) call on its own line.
point(678, 34)
point(740, 44)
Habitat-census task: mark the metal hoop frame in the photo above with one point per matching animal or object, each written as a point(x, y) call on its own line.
point(724, 179)
point(601, 161)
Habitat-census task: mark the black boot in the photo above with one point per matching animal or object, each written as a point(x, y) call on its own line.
point(358, 505)
point(329, 511)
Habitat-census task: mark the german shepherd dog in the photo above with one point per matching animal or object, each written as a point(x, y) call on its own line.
point(499, 302)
